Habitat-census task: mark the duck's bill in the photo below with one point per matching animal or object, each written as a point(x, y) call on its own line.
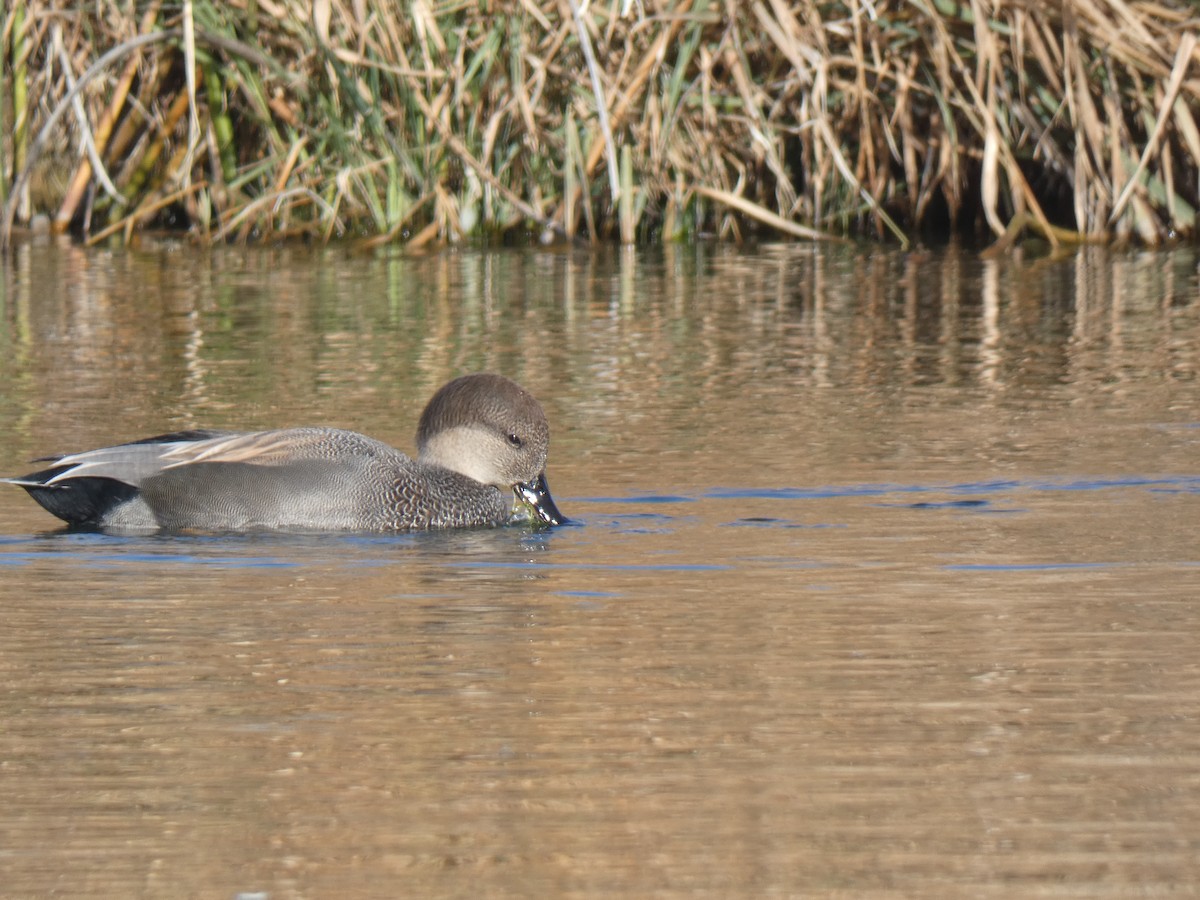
point(536, 496)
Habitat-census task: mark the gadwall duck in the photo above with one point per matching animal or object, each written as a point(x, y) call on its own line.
point(479, 438)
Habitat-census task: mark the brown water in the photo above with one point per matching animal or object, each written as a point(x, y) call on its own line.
point(884, 582)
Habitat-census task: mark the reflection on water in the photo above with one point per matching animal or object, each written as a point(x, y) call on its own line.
point(882, 584)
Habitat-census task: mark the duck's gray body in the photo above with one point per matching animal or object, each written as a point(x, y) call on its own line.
point(329, 479)
point(481, 439)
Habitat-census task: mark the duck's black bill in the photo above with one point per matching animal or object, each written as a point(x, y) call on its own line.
point(537, 495)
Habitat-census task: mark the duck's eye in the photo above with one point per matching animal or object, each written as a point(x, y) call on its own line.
point(514, 439)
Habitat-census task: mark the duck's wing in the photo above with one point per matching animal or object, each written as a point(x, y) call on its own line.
point(92, 487)
point(285, 447)
point(135, 462)
point(319, 477)
point(129, 464)
point(308, 478)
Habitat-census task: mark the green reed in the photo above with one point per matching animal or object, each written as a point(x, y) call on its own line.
point(661, 119)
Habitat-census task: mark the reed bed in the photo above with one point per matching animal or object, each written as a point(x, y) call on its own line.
point(631, 120)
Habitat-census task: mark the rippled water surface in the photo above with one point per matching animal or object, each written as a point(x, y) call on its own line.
point(884, 581)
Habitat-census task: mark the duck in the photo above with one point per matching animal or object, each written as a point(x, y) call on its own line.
point(482, 443)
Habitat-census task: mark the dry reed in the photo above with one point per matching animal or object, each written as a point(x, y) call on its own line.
point(631, 119)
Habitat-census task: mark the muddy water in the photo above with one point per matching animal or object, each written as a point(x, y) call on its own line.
point(884, 582)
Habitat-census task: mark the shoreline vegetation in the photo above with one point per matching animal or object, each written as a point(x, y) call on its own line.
point(436, 121)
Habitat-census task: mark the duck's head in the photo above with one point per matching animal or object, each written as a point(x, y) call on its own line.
point(488, 428)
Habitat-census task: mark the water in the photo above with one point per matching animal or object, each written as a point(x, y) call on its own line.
point(883, 582)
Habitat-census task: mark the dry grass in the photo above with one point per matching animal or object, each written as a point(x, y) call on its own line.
point(629, 119)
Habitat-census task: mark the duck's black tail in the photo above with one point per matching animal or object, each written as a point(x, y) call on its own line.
point(82, 502)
